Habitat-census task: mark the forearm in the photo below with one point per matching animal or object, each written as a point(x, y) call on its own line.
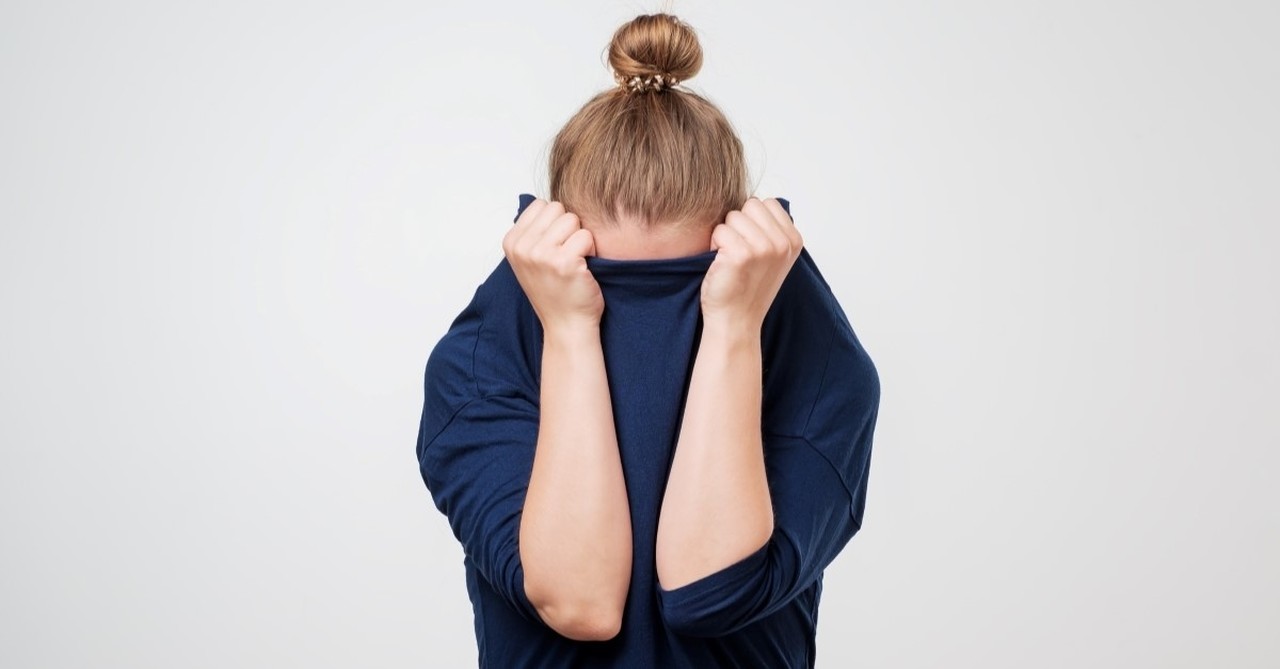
point(717, 509)
point(575, 531)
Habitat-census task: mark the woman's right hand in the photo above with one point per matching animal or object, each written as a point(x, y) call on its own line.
point(547, 249)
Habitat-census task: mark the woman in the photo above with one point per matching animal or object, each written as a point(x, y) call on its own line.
point(651, 428)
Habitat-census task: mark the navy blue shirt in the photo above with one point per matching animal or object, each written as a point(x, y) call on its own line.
point(479, 429)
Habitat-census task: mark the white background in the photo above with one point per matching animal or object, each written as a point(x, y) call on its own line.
point(231, 233)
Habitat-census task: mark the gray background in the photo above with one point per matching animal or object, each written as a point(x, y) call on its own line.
point(232, 232)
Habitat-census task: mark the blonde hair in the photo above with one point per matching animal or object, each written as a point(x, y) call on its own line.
point(655, 153)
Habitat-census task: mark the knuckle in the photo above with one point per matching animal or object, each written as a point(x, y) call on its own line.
point(532, 209)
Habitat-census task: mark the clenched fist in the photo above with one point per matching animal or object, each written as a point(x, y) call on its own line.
point(755, 250)
point(547, 249)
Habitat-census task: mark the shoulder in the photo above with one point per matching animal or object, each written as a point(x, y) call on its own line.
point(481, 352)
point(814, 362)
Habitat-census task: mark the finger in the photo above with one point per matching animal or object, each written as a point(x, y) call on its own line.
point(724, 238)
point(532, 236)
point(581, 243)
point(546, 216)
point(786, 222)
point(530, 213)
point(779, 213)
point(770, 227)
point(521, 227)
point(560, 229)
point(750, 231)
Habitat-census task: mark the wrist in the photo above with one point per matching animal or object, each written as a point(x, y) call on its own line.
point(572, 333)
point(731, 332)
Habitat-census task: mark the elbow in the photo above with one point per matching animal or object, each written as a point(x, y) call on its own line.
point(582, 622)
point(580, 607)
point(580, 618)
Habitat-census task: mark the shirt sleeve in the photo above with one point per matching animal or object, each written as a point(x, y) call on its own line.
point(477, 468)
point(818, 485)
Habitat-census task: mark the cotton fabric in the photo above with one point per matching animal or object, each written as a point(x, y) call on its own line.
point(479, 430)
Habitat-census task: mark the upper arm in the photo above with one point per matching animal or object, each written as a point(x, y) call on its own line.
point(477, 468)
point(478, 433)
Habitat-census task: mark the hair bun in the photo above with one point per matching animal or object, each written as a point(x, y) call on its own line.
point(659, 49)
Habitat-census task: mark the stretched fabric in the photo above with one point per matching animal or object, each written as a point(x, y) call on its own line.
point(478, 434)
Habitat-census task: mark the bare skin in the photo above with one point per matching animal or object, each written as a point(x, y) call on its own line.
point(717, 508)
point(627, 239)
point(575, 533)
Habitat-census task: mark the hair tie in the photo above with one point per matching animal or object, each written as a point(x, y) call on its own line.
point(638, 84)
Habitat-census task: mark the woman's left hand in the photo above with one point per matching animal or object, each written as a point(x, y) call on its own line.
point(755, 250)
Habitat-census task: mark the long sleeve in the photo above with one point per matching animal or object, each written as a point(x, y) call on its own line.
point(817, 481)
point(477, 469)
point(478, 433)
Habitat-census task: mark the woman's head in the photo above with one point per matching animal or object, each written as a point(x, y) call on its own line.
point(645, 151)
